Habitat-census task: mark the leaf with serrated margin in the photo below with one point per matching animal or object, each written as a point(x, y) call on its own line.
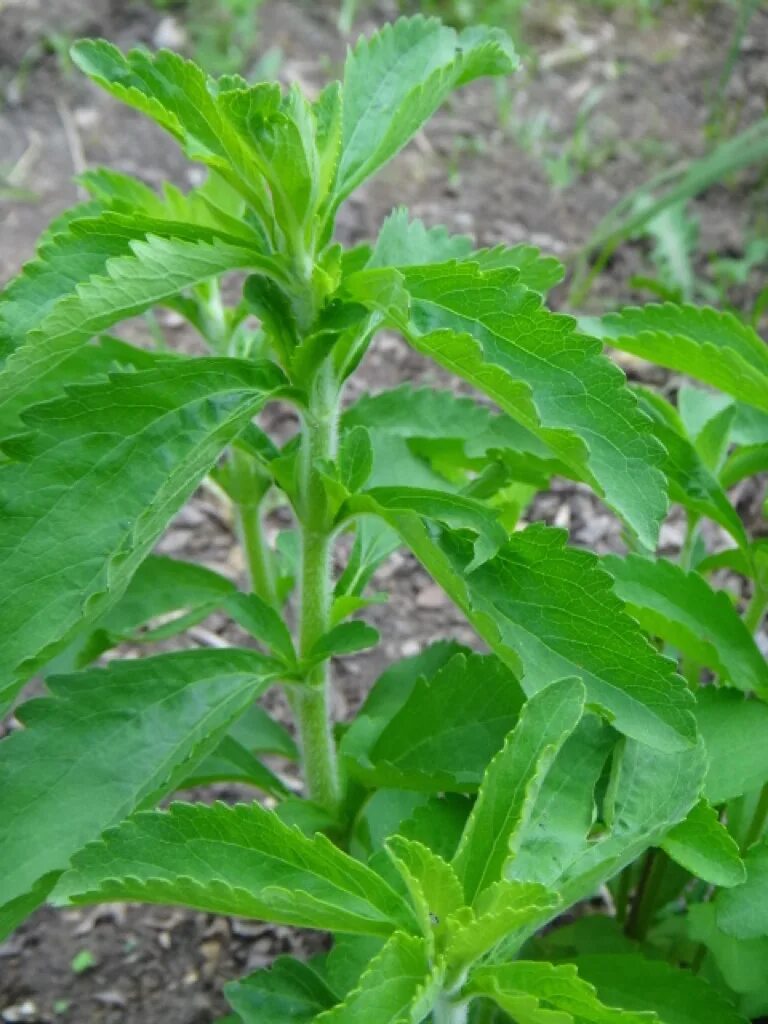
point(407, 242)
point(105, 470)
point(263, 622)
point(682, 608)
point(435, 891)
point(705, 847)
point(106, 742)
point(648, 792)
point(690, 482)
point(398, 987)
point(734, 732)
point(511, 783)
point(531, 991)
point(496, 334)
point(552, 607)
point(677, 996)
point(447, 729)
point(156, 269)
point(181, 98)
point(501, 910)
point(290, 992)
point(716, 348)
point(743, 910)
point(454, 510)
point(396, 79)
point(235, 860)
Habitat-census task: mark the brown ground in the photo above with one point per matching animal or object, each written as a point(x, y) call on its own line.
point(153, 965)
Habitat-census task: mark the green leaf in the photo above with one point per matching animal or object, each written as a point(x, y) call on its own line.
point(705, 847)
point(734, 731)
point(106, 742)
point(740, 962)
point(690, 482)
point(156, 269)
point(522, 601)
point(263, 622)
point(535, 993)
point(232, 762)
point(716, 348)
point(451, 509)
point(258, 732)
point(743, 911)
point(105, 470)
point(496, 334)
point(682, 608)
point(511, 783)
point(290, 992)
point(355, 458)
point(435, 891)
point(346, 638)
point(394, 82)
point(447, 729)
point(581, 832)
point(677, 996)
point(398, 987)
point(501, 910)
point(235, 860)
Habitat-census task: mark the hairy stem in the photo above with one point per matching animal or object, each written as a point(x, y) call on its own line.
point(446, 1011)
point(250, 490)
point(312, 700)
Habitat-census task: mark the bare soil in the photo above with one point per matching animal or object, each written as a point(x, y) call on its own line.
point(152, 965)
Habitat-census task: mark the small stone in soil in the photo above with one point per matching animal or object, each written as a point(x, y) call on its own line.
point(430, 596)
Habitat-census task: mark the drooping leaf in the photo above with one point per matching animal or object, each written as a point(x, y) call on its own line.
point(743, 910)
point(704, 846)
point(496, 334)
point(716, 348)
point(235, 860)
point(103, 473)
point(106, 742)
point(290, 992)
point(155, 270)
point(445, 732)
point(511, 784)
point(398, 987)
point(682, 608)
point(734, 731)
point(537, 993)
point(676, 996)
point(394, 82)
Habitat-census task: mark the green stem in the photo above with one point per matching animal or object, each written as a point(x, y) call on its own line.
point(759, 820)
point(250, 489)
point(312, 699)
point(646, 897)
point(753, 616)
point(445, 1011)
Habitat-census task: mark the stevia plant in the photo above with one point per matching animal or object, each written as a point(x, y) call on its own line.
point(476, 797)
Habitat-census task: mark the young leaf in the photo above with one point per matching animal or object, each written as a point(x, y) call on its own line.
point(447, 730)
point(511, 783)
point(96, 483)
point(355, 458)
point(502, 909)
point(156, 270)
point(734, 731)
point(396, 80)
point(106, 742)
point(346, 638)
point(714, 347)
point(264, 623)
point(631, 981)
point(397, 987)
point(235, 860)
point(705, 847)
point(259, 733)
point(702, 623)
point(531, 991)
point(290, 992)
point(522, 601)
point(496, 334)
point(435, 891)
point(743, 911)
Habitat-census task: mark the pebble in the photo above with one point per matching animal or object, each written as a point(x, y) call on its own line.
point(430, 596)
point(26, 1011)
point(409, 648)
point(169, 34)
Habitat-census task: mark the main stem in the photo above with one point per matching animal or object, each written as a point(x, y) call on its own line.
point(312, 703)
point(445, 1011)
